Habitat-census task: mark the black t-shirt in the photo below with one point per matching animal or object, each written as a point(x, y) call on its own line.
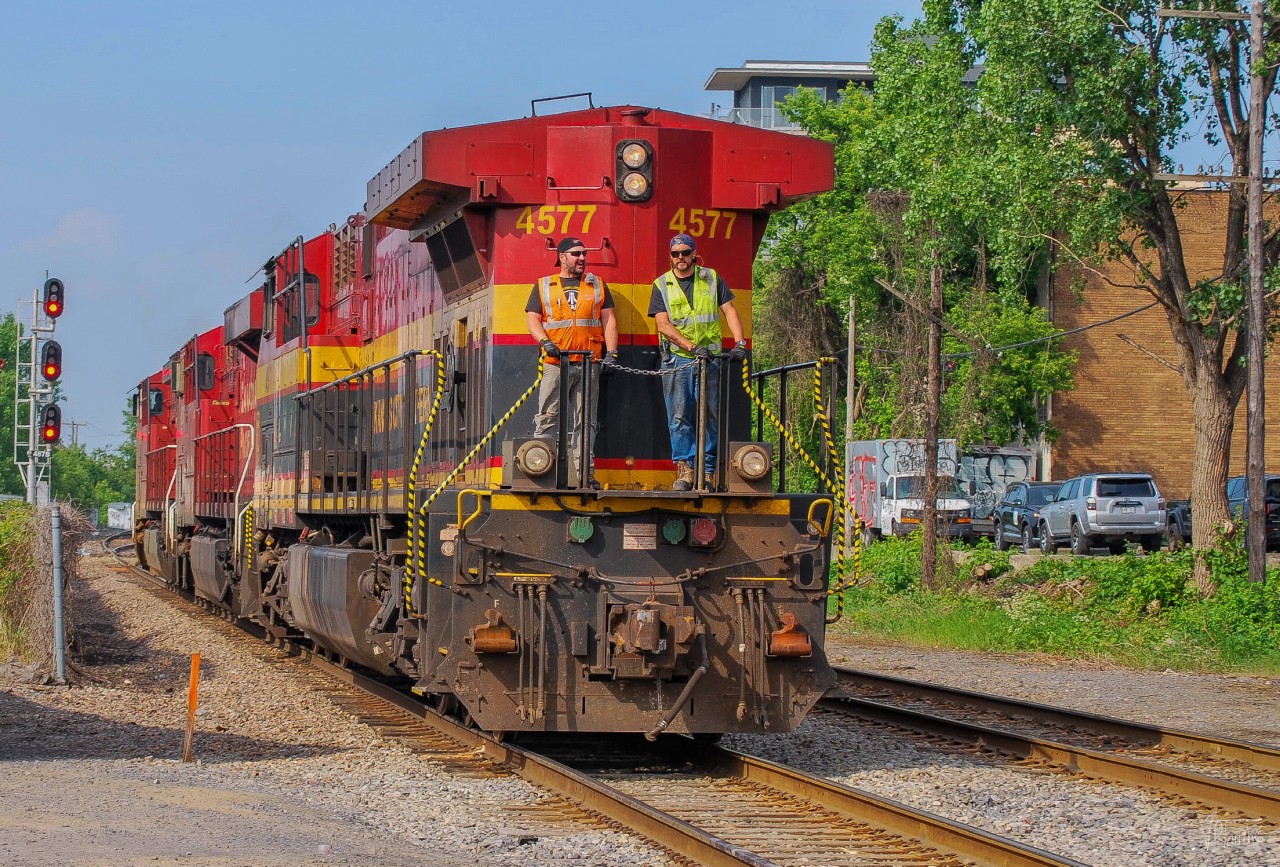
point(570, 285)
point(657, 305)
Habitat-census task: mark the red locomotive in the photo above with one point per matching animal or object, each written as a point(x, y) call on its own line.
point(354, 465)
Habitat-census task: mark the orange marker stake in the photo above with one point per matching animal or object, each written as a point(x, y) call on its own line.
point(193, 699)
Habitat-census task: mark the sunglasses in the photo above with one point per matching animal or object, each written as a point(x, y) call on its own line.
point(676, 254)
point(575, 252)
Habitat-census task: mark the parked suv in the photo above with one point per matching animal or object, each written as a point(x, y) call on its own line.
point(1238, 504)
point(1016, 518)
point(1104, 508)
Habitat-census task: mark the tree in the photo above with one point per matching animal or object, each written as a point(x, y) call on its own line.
point(1085, 103)
point(843, 246)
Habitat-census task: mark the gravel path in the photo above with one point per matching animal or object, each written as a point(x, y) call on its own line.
point(92, 775)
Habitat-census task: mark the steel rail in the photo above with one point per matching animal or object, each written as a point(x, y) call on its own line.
point(1259, 755)
point(861, 806)
point(1212, 791)
point(684, 839)
point(694, 843)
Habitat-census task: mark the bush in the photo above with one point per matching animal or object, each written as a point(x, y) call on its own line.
point(1138, 610)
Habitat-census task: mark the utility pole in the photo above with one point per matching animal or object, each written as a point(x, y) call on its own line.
point(1255, 464)
point(932, 413)
point(75, 428)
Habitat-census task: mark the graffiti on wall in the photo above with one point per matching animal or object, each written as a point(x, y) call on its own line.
point(985, 474)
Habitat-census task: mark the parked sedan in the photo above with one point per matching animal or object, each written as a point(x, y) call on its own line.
point(1016, 517)
point(1104, 508)
point(1238, 504)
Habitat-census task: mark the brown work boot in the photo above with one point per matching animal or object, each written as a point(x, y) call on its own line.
point(684, 476)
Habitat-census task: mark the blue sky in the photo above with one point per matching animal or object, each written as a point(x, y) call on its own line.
point(154, 154)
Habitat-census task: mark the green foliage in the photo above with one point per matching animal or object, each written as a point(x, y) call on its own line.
point(17, 568)
point(1137, 610)
point(91, 480)
point(909, 194)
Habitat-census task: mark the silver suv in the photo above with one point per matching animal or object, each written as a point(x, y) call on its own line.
point(1104, 508)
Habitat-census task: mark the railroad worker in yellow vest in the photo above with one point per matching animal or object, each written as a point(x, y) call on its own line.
point(570, 310)
point(686, 305)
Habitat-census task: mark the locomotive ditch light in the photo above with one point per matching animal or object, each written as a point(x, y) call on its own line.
point(534, 459)
point(752, 462)
point(50, 424)
point(634, 170)
point(51, 360)
point(750, 468)
point(53, 297)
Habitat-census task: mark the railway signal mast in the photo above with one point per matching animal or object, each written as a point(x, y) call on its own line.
point(37, 417)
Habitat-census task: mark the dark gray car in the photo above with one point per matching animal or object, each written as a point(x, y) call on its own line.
point(1238, 504)
point(1104, 509)
point(1016, 517)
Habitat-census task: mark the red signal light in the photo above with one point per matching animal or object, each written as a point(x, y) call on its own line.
point(51, 360)
point(54, 292)
point(50, 424)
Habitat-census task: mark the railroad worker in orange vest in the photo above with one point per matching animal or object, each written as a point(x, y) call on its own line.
point(686, 305)
point(571, 310)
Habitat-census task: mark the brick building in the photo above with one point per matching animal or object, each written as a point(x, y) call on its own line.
point(1130, 410)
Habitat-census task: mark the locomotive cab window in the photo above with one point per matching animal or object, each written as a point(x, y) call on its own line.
point(290, 321)
point(155, 402)
point(176, 371)
point(205, 375)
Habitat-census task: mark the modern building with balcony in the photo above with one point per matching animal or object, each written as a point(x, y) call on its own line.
point(758, 87)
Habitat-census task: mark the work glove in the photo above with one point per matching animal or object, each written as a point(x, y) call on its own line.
point(610, 362)
point(550, 348)
point(702, 352)
point(738, 352)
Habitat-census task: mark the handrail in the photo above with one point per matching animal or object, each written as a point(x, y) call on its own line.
point(173, 481)
point(248, 462)
point(364, 371)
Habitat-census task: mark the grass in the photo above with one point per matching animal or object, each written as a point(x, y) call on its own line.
point(17, 572)
point(1137, 611)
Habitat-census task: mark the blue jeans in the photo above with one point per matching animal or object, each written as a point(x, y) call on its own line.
point(680, 392)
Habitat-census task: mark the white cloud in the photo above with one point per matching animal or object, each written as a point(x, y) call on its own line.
point(85, 227)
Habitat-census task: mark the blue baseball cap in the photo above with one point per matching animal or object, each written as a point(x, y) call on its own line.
point(682, 239)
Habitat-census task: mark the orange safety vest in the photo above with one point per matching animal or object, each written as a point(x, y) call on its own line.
point(570, 328)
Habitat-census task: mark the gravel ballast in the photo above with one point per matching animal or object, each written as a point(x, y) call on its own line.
point(93, 773)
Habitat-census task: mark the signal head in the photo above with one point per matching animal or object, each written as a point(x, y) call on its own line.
point(50, 424)
point(54, 293)
point(51, 360)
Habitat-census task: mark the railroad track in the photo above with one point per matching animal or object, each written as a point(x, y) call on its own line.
point(1217, 773)
point(705, 805)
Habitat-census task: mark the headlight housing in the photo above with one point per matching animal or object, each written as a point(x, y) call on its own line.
point(633, 170)
point(752, 462)
point(534, 459)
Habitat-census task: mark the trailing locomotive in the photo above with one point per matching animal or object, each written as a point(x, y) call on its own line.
point(348, 456)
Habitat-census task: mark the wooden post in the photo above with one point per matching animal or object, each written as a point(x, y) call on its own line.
point(192, 701)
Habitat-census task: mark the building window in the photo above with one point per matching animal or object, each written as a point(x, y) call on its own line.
point(771, 95)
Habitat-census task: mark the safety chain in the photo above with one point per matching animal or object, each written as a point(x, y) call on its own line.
point(419, 511)
point(416, 566)
point(842, 531)
point(835, 487)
